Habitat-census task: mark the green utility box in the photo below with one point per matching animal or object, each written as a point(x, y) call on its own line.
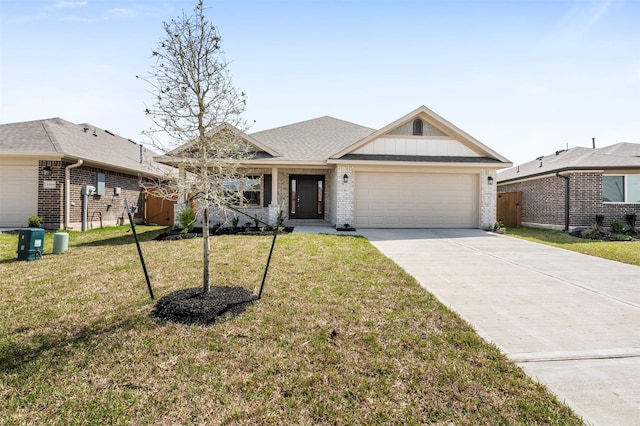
point(30, 243)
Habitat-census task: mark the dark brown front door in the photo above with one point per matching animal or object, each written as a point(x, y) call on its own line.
point(306, 197)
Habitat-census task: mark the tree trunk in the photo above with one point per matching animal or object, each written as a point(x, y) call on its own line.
point(206, 250)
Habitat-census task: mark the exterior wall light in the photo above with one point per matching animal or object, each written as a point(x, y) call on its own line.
point(490, 180)
point(345, 178)
point(46, 171)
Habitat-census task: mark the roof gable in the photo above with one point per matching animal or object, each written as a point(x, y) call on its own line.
point(440, 138)
point(252, 143)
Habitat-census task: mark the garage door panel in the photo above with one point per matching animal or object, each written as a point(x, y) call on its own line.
point(416, 200)
point(18, 193)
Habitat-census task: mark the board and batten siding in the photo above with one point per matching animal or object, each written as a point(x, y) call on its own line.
point(419, 146)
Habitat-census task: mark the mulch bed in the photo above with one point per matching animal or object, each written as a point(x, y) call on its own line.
point(197, 233)
point(605, 236)
point(191, 306)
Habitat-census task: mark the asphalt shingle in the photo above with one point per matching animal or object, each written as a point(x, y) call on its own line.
point(312, 140)
point(100, 147)
point(618, 156)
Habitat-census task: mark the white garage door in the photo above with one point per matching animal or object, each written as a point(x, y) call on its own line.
point(416, 200)
point(18, 192)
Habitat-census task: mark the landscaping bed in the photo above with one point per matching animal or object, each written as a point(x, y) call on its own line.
point(192, 306)
point(178, 234)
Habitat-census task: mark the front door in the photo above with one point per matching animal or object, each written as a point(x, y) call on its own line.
point(306, 197)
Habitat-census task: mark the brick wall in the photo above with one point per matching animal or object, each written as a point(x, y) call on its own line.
point(51, 200)
point(543, 201)
point(585, 200)
point(618, 211)
point(109, 207)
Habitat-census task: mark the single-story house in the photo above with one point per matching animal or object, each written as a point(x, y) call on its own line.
point(567, 189)
point(419, 171)
point(74, 176)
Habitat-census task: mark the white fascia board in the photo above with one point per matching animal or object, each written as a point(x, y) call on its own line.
point(420, 163)
point(39, 155)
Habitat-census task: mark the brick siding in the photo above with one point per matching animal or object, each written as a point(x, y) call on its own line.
point(108, 207)
point(51, 201)
point(543, 201)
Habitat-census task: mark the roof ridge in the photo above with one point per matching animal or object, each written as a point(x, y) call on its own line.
point(51, 134)
point(310, 120)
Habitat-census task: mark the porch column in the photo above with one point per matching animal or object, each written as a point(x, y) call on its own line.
point(182, 197)
point(274, 207)
point(274, 186)
point(488, 198)
point(345, 191)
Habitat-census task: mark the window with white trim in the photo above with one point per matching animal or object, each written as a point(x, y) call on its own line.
point(621, 188)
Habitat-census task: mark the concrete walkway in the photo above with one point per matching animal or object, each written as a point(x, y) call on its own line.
point(571, 321)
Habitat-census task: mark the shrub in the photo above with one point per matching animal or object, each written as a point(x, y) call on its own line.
point(599, 220)
point(631, 222)
point(498, 227)
point(591, 233)
point(187, 219)
point(34, 221)
point(617, 226)
point(234, 222)
point(619, 237)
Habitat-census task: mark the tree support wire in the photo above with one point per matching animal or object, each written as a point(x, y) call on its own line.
point(135, 236)
point(273, 242)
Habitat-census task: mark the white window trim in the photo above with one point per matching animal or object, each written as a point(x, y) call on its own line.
point(625, 186)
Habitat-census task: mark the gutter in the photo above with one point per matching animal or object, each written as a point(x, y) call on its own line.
point(67, 183)
point(566, 200)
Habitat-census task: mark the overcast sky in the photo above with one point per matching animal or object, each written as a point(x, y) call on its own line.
point(526, 78)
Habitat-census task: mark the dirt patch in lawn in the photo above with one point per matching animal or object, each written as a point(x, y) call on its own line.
point(192, 306)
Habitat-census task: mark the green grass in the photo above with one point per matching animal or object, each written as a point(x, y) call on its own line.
point(342, 336)
point(621, 251)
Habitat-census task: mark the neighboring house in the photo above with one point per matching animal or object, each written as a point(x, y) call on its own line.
point(567, 189)
point(47, 166)
point(420, 171)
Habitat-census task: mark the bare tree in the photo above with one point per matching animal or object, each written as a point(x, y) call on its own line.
point(198, 110)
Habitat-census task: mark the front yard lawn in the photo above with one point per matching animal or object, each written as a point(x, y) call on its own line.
point(622, 251)
point(341, 336)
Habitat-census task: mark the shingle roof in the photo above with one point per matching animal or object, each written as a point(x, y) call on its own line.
point(312, 140)
point(618, 156)
point(56, 136)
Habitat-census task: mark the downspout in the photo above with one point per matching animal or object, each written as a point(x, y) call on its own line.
point(566, 201)
point(67, 183)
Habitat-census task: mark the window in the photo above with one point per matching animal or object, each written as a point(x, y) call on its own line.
point(245, 191)
point(621, 188)
point(417, 127)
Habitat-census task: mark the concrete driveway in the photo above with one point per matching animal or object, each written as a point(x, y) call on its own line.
point(571, 321)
